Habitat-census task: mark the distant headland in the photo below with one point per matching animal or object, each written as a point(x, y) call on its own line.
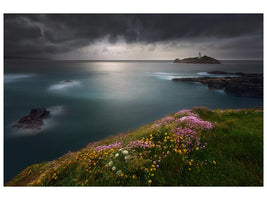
point(198, 60)
point(239, 84)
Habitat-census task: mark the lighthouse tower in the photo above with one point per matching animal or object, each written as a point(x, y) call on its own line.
point(199, 55)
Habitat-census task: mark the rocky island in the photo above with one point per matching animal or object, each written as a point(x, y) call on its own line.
point(33, 121)
point(198, 60)
point(240, 84)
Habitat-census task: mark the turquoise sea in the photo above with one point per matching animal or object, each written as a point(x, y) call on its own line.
point(104, 98)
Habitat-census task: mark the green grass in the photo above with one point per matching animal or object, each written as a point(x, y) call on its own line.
point(233, 156)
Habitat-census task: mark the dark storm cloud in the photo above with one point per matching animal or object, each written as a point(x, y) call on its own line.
point(45, 35)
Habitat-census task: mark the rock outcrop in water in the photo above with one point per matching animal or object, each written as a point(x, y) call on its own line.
point(198, 60)
point(33, 121)
point(67, 81)
point(242, 84)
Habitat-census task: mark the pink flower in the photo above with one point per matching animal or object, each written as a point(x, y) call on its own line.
point(115, 145)
point(194, 122)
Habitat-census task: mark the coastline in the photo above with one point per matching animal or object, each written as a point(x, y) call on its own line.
point(240, 84)
point(208, 131)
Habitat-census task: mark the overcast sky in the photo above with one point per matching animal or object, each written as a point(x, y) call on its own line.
point(133, 36)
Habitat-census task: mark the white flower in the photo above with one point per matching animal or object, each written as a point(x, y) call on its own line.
point(127, 157)
point(113, 168)
point(117, 154)
point(110, 163)
point(125, 152)
point(119, 172)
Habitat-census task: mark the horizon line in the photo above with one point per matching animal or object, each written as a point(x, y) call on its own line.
point(107, 60)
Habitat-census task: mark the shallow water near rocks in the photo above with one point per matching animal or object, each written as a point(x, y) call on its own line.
point(105, 98)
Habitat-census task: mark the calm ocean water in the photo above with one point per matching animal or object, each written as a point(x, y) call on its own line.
point(105, 98)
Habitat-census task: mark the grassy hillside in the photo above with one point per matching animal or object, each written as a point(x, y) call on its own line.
point(197, 147)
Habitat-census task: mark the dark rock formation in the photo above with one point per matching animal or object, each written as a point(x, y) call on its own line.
point(197, 60)
point(226, 73)
point(241, 85)
point(34, 120)
point(67, 81)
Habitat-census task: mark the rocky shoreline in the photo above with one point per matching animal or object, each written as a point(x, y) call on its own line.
point(240, 84)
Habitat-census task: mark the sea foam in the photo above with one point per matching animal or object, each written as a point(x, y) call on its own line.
point(64, 85)
point(49, 122)
point(215, 75)
point(9, 78)
point(169, 76)
point(57, 110)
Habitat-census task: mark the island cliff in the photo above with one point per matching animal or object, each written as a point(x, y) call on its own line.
point(198, 60)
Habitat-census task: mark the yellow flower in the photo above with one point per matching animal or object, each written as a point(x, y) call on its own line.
point(166, 133)
point(214, 162)
point(189, 169)
point(133, 176)
point(152, 174)
point(180, 152)
point(184, 150)
point(149, 182)
point(197, 148)
point(152, 165)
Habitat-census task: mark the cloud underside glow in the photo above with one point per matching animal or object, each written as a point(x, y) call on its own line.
point(221, 49)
